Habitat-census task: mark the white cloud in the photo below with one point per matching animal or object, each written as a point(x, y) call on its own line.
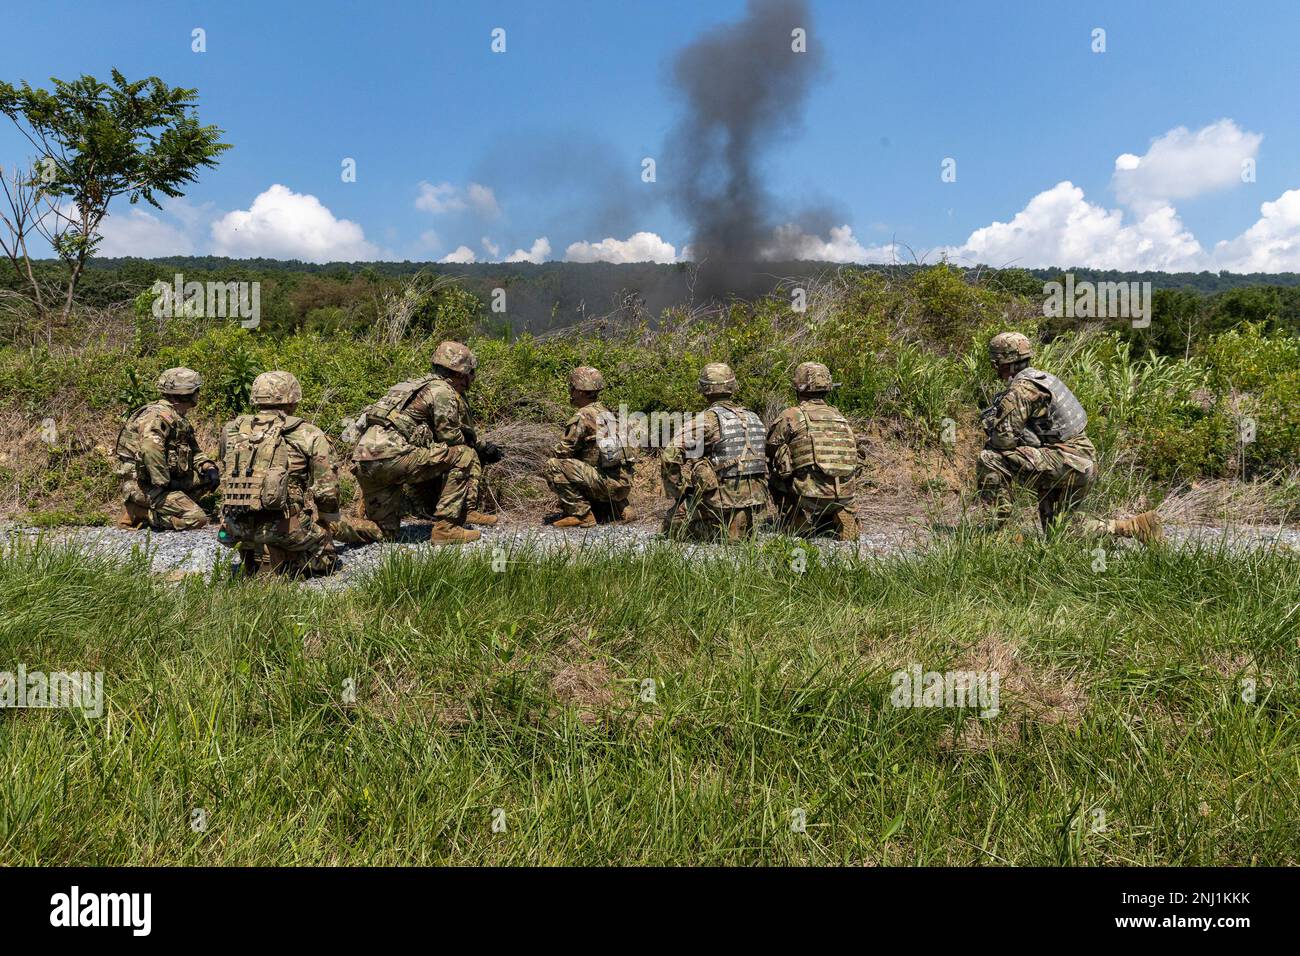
point(1060, 227)
point(283, 224)
point(1272, 244)
point(791, 243)
point(483, 200)
point(438, 199)
point(639, 247)
point(462, 254)
point(1182, 164)
point(445, 198)
point(139, 233)
point(540, 252)
point(491, 247)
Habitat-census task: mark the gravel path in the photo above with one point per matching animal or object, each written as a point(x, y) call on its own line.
point(178, 553)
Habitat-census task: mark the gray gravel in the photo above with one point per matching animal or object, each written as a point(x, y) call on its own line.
point(178, 553)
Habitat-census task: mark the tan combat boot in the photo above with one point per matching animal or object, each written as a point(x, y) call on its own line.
point(133, 516)
point(1145, 527)
point(573, 521)
point(479, 517)
point(846, 525)
point(444, 532)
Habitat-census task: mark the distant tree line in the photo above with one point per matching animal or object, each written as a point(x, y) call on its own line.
point(340, 297)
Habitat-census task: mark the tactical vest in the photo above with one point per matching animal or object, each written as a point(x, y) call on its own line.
point(129, 450)
point(390, 411)
point(180, 455)
point(611, 447)
point(1065, 418)
point(825, 442)
point(739, 451)
point(255, 464)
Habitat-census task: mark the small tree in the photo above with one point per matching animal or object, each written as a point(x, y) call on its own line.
point(96, 142)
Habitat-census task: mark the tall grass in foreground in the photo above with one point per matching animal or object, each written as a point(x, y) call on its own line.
point(1123, 735)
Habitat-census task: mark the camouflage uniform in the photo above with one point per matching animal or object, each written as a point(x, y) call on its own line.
point(813, 460)
point(1060, 468)
point(290, 539)
point(426, 448)
point(579, 472)
point(160, 462)
point(708, 504)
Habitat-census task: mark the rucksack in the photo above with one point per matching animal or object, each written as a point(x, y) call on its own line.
point(255, 464)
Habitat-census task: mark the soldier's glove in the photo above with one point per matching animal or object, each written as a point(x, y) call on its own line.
point(490, 453)
point(209, 476)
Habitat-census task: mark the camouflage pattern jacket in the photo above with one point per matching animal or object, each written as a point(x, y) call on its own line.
point(158, 449)
point(1010, 413)
point(808, 481)
point(686, 469)
point(579, 440)
point(441, 415)
point(311, 467)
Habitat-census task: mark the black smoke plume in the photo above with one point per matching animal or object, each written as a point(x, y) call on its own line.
point(744, 89)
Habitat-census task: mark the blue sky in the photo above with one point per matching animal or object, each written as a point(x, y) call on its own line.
point(412, 91)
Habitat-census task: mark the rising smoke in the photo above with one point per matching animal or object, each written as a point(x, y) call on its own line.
point(744, 88)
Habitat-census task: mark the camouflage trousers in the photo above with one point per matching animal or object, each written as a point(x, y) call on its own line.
point(161, 509)
point(285, 542)
point(579, 486)
point(807, 513)
point(698, 520)
point(804, 514)
point(441, 482)
point(1061, 481)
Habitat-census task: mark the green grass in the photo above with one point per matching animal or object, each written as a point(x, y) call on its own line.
point(478, 689)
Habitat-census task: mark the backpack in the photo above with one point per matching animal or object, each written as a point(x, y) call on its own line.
point(255, 464)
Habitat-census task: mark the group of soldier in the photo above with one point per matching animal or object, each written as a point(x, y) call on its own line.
point(417, 452)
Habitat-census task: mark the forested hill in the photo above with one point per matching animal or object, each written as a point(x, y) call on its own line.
point(640, 272)
point(542, 297)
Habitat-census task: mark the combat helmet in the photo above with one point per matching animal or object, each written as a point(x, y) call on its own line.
point(1006, 348)
point(584, 378)
point(455, 357)
point(179, 381)
point(812, 377)
point(275, 388)
point(717, 378)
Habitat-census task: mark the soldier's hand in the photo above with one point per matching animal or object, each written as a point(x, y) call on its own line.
point(490, 452)
point(210, 475)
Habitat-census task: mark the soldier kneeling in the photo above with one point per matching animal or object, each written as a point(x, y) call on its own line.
point(271, 462)
point(160, 463)
point(716, 469)
point(813, 456)
point(419, 444)
point(590, 470)
point(1036, 438)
